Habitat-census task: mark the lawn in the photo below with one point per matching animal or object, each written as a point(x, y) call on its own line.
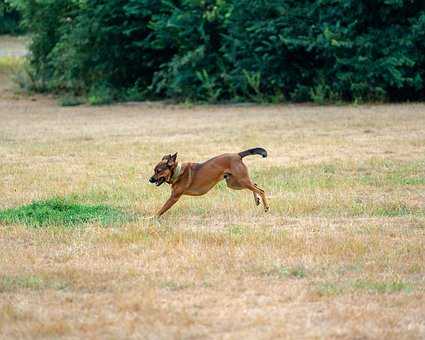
point(341, 254)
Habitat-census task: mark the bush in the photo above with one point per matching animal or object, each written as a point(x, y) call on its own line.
point(215, 50)
point(9, 19)
point(101, 94)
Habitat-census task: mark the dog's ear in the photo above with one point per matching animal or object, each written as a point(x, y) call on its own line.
point(172, 159)
point(166, 157)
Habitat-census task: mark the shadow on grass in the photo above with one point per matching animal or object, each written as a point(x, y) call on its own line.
point(62, 212)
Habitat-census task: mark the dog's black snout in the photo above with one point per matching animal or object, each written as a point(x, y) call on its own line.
point(152, 180)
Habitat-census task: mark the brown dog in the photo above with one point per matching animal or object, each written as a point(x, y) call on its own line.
point(196, 179)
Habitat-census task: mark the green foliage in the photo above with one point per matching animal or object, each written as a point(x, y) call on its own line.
point(134, 93)
point(59, 211)
point(215, 50)
point(9, 19)
point(101, 94)
point(26, 79)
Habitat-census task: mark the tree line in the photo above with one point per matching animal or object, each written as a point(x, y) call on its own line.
point(229, 50)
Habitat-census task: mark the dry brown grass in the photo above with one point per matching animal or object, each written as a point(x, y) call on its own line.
point(340, 255)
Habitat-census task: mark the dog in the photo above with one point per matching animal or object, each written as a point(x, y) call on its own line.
point(196, 179)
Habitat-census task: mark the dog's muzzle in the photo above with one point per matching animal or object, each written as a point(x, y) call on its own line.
point(158, 181)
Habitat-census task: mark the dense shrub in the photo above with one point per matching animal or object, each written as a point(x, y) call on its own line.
point(212, 50)
point(9, 19)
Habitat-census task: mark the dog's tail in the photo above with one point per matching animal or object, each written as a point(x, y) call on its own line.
point(254, 151)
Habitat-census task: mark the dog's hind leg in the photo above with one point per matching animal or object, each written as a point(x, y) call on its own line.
point(263, 197)
point(256, 198)
point(234, 184)
point(246, 183)
point(239, 175)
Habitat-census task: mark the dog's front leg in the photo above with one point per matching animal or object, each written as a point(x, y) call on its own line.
point(170, 202)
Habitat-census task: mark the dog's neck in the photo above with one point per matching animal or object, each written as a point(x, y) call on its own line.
point(176, 173)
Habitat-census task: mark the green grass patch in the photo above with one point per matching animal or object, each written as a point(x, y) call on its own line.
point(337, 175)
point(329, 289)
point(300, 178)
point(364, 286)
point(391, 173)
point(385, 209)
point(175, 286)
point(236, 232)
point(284, 272)
point(60, 211)
point(13, 283)
point(10, 64)
point(382, 287)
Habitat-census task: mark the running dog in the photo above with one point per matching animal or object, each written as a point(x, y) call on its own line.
point(196, 179)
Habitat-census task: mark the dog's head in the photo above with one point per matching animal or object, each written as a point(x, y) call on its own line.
point(163, 171)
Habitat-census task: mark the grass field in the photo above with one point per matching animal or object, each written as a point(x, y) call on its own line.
point(341, 254)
